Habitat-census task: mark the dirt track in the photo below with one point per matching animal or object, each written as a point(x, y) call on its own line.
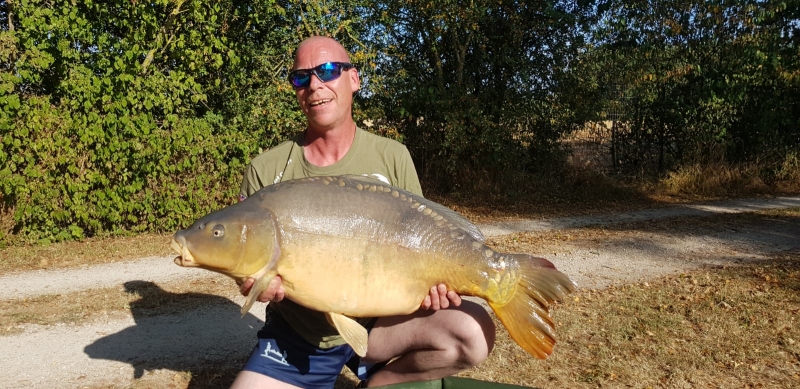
point(116, 350)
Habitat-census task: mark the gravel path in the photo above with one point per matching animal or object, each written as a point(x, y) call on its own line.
point(114, 351)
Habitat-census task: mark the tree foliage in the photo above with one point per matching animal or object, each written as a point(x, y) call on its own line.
point(129, 116)
point(125, 116)
point(472, 83)
point(697, 80)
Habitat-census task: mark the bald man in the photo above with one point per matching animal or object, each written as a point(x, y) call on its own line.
point(297, 347)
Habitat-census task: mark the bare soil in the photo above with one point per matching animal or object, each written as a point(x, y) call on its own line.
point(143, 339)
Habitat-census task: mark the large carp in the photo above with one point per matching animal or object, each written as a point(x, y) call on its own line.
point(351, 246)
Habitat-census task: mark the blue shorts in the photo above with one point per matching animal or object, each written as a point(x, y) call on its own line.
point(284, 355)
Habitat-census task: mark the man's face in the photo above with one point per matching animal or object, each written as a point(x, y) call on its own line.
point(325, 104)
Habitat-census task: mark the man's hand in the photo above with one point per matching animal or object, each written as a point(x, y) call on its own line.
point(440, 298)
point(274, 291)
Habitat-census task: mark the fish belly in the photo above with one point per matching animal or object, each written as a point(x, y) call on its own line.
point(358, 277)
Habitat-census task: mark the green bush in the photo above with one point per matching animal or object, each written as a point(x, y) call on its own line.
point(111, 118)
point(123, 116)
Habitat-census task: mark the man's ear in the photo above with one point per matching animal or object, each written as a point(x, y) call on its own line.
point(355, 81)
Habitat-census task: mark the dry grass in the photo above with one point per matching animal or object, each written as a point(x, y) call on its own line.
point(569, 193)
point(790, 171)
point(88, 252)
point(711, 178)
point(147, 298)
point(714, 180)
point(726, 327)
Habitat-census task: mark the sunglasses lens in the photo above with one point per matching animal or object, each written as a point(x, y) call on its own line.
point(300, 79)
point(326, 72)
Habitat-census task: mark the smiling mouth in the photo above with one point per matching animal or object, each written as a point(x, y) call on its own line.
point(319, 102)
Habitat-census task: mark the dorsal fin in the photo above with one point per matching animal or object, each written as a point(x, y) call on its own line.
point(452, 216)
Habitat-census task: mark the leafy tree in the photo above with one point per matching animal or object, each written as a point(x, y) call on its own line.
point(130, 115)
point(472, 82)
point(704, 80)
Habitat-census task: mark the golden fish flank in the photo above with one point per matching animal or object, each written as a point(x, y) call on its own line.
point(346, 245)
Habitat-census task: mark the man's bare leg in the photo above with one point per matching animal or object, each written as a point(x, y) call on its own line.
point(251, 380)
point(430, 344)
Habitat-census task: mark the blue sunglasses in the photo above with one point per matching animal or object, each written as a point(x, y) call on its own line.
point(328, 71)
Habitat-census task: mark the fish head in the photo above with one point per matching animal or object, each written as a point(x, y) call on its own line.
point(239, 241)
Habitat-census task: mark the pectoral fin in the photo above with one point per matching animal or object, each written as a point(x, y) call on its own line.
point(259, 286)
point(353, 333)
point(262, 283)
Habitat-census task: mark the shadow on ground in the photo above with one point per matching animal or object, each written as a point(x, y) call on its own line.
point(215, 334)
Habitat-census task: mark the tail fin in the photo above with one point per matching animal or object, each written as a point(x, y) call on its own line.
point(526, 315)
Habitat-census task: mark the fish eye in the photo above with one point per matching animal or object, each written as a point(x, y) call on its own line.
point(218, 231)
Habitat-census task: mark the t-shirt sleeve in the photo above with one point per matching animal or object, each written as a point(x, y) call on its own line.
point(407, 173)
point(250, 182)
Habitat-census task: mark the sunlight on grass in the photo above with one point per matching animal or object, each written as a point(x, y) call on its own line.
point(726, 327)
point(88, 252)
point(724, 180)
point(149, 299)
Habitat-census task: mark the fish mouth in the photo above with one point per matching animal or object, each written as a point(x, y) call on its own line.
point(185, 258)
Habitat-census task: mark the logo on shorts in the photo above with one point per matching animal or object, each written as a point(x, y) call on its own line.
point(275, 355)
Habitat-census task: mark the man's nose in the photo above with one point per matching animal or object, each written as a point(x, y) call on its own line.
point(314, 82)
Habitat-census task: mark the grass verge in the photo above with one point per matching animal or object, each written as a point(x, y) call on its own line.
point(147, 299)
point(714, 180)
point(89, 252)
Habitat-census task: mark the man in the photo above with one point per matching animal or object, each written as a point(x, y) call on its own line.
point(297, 347)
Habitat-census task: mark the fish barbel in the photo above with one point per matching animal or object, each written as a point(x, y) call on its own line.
point(350, 246)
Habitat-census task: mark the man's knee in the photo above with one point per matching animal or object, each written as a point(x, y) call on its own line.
point(476, 334)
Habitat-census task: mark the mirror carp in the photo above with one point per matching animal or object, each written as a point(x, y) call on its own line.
point(351, 246)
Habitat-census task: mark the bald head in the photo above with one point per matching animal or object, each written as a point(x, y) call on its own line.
point(319, 49)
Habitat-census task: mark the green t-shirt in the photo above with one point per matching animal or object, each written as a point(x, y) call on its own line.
point(370, 155)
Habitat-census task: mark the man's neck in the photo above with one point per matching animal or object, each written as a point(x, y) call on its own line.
point(324, 148)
